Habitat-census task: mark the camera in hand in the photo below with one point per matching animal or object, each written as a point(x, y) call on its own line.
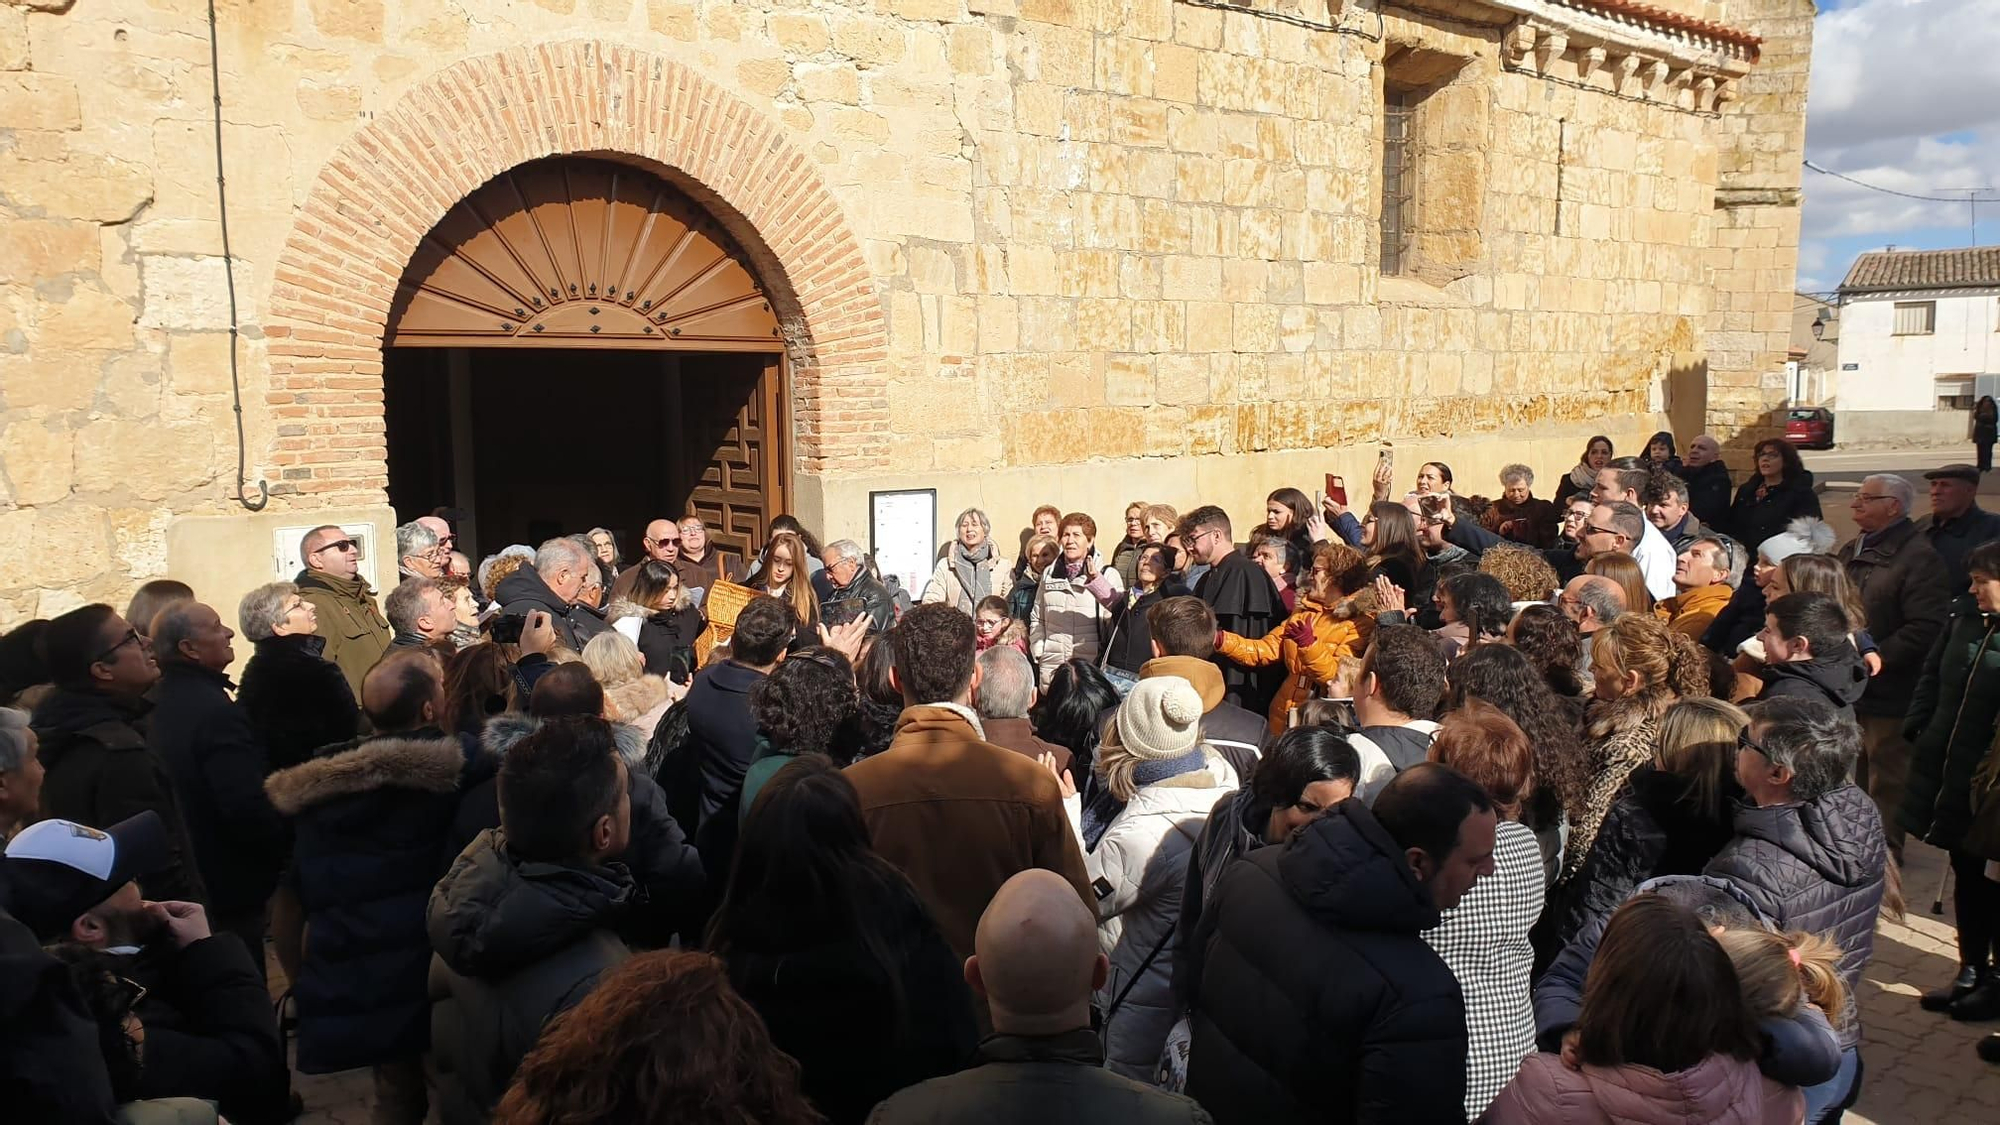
point(507, 628)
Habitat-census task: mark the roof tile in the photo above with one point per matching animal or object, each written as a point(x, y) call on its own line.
point(1963, 268)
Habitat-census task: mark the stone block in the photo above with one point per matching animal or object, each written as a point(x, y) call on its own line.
point(32, 249)
point(1210, 326)
point(77, 534)
point(147, 460)
point(13, 38)
point(76, 186)
point(185, 293)
point(870, 41)
point(348, 19)
point(198, 363)
point(1128, 380)
point(90, 319)
point(676, 18)
point(323, 102)
point(800, 33)
point(1182, 379)
point(37, 459)
point(39, 101)
point(1188, 278)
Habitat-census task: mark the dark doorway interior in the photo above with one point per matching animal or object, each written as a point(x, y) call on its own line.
point(537, 442)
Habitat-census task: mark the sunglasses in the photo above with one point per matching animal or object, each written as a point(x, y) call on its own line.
point(337, 545)
point(1745, 742)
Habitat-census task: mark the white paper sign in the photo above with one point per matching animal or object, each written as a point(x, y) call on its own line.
point(902, 535)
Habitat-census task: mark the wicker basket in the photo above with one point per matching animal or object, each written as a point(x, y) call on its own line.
point(724, 601)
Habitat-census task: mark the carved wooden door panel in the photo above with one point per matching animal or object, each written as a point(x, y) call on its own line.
point(735, 444)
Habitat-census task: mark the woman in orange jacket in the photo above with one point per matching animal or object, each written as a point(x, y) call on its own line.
point(1314, 638)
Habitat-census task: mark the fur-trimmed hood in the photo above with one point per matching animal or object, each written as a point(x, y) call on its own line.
point(503, 732)
point(432, 764)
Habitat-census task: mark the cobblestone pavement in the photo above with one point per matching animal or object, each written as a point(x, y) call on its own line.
point(1921, 1069)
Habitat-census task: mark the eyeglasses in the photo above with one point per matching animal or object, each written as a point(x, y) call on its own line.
point(1594, 529)
point(1863, 497)
point(674, 542)
point(131, 637)
point(337, 545)
point(1745, 742)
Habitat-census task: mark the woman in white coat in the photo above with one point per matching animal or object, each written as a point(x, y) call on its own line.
point(970, 569)
point(1154, 761)
point(1072, 614)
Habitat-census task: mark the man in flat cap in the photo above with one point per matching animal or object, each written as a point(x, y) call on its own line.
point(1958, 523)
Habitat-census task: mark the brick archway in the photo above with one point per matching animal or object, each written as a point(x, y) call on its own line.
point(379, 193)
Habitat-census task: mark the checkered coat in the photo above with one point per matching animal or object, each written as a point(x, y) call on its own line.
point(1484, 941)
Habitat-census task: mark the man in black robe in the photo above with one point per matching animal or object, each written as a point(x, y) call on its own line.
point(1244, 599)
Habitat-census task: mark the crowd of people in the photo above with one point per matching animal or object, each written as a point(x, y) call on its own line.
point(1436, 808)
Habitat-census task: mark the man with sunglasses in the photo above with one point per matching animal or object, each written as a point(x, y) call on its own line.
point(661, 544)
point(93, 727)
point(1706, 575)
point(356, 633)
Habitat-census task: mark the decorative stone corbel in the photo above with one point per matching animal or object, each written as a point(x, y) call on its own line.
point(1628, 65)
point(1549, 48)
point(1678, 83)
point(1656, 78)
point(1704, 94)
point(1588, 62)
point(1519, 44)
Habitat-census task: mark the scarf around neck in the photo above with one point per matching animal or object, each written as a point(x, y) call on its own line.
point(975, 578)
point(1583, 476)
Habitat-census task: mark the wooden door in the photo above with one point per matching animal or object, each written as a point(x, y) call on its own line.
point(732, 416)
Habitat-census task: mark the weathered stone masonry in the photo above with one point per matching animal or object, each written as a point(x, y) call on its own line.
point(1080, 250)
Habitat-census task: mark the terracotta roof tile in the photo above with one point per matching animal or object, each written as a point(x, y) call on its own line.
point(1664, 18)
point(1880, 270)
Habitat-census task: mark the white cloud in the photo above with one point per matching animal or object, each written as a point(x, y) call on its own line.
point(1905, 95)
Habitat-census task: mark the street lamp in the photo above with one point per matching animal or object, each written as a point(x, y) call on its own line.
point(1818, 327)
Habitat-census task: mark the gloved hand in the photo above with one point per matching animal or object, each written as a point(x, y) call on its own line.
point(1299, 631)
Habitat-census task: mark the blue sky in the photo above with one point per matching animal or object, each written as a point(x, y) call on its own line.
point(1905, 95)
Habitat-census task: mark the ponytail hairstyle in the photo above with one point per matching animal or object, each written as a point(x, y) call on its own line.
point(1671, 667)
point(1780, 971)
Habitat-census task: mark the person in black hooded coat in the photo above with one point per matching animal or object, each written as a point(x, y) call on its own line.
point(297, 700)
point(1808, 654)
point(1317, 999)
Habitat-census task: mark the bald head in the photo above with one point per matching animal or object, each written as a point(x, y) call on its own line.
point(1592, 601)
point(1035, 956)
point(403, 691)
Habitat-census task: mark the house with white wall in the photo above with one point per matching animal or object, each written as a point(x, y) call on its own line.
point(1919, 342)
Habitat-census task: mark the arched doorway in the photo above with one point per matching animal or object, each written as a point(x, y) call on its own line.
point(578, 344)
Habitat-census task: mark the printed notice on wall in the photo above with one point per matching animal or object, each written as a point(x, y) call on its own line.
point(902, 535)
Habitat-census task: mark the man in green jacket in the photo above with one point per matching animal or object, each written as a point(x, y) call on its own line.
point(1036, 964)
point(356, 632)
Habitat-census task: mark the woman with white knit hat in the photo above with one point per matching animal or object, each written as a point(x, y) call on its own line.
point(1153, 759)
point(1744, 615)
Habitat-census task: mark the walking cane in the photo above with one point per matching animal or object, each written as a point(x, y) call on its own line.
point(1944, 884)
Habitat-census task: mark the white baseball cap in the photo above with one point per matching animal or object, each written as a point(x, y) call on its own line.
point(59, 869)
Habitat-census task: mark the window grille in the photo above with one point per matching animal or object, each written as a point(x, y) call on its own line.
point(1915, 318)
point(1398, 175)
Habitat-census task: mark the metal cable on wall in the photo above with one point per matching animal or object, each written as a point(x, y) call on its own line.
point(229, 276)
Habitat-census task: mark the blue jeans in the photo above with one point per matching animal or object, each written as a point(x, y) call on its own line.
point(1823, 1098)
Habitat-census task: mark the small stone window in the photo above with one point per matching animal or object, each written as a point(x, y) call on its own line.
point(1434, 127)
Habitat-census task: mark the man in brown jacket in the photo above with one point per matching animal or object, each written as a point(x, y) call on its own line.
point(957, 814)
point(356, 632)
point(1006, 692)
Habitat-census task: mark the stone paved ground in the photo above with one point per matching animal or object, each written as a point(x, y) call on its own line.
point(1921, 1069)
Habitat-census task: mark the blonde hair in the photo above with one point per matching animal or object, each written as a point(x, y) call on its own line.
point(1164, 513)
point(1624, 570)
point(1780, 971)
point(1697, 743)
point(1039, 542)
point(613, 659)
point(1670, 666)
point(1527, 576)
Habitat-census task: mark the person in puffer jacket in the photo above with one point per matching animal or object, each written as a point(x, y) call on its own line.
point(1313, 639)
point(1153, 760)
point(1664, 1038)
point(522, 923)
point(1809, 848)
point(1316, 999)
point(1072, 611)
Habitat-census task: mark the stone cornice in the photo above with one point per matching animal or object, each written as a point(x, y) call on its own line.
point(1628, 50)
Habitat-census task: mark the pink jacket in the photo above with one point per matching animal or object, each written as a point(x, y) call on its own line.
point(1718, 1091)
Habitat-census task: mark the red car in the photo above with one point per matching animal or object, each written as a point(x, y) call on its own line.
point(1809, 427)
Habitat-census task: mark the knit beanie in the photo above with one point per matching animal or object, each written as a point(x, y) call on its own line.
point(1803, 536)
point(1160, 719)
